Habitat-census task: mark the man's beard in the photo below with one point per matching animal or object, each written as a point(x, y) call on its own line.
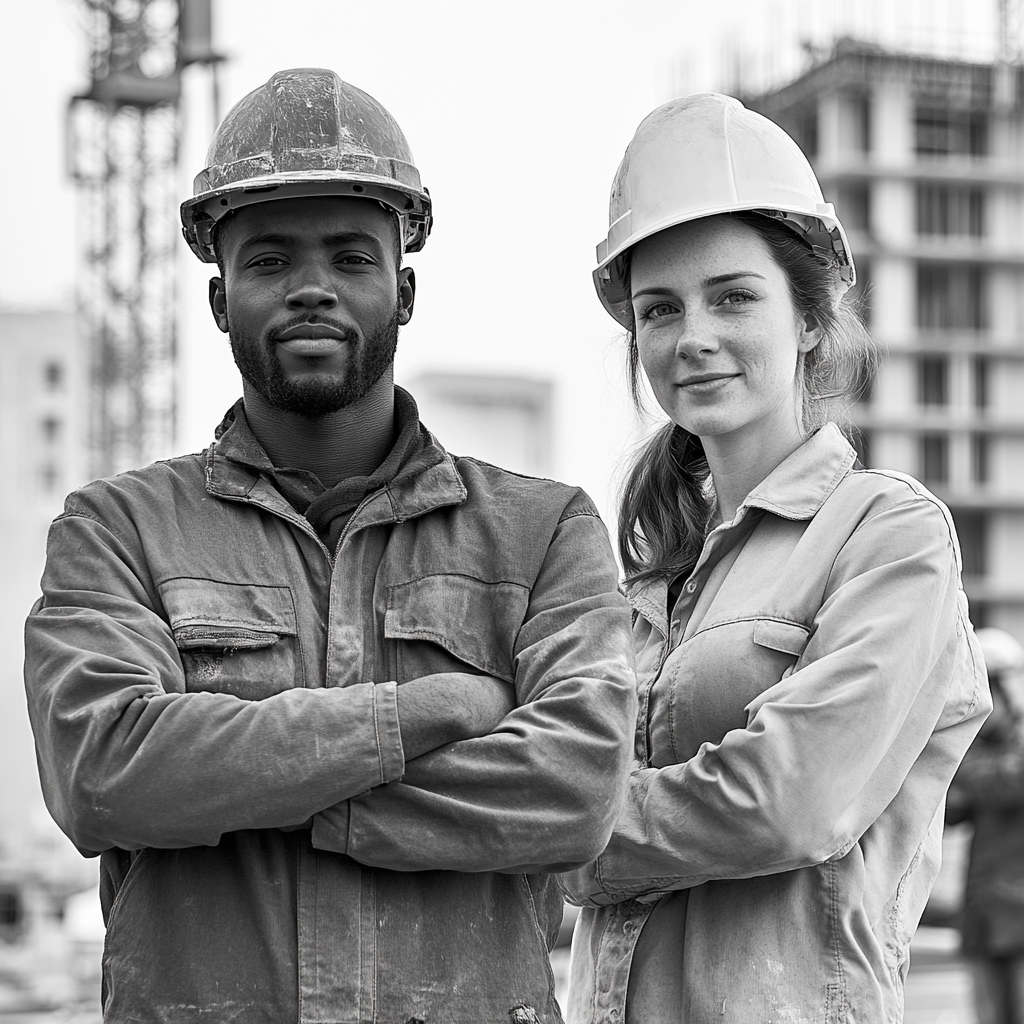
point(317, 394)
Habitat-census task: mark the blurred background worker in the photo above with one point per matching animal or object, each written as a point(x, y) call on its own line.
point(988, 789)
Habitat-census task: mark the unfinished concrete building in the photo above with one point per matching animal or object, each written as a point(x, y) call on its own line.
point(924, 160)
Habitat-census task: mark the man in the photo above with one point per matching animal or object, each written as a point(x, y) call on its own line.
point(327, 701)
point(988, 791)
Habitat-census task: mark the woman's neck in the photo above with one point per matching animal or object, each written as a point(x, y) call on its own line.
point(739, 463)
point(353, 441)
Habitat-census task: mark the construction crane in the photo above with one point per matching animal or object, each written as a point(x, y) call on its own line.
point(123, 135)
point(1010, 31)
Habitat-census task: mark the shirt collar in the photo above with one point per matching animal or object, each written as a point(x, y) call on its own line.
point(795, 489)
point(799, 485)
point(236, 461)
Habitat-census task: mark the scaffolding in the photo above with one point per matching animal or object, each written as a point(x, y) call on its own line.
point(124, 134)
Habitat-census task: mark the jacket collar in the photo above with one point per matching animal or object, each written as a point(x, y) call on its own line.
point(237, 468)
point(795, 489)
point(799, 485)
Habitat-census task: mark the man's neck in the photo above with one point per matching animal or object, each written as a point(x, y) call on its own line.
point(353, 441)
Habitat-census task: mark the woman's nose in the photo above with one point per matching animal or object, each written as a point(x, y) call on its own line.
point(696, 337)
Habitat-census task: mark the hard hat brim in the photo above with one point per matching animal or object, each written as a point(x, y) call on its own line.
point(201, 214)
point(822, 230)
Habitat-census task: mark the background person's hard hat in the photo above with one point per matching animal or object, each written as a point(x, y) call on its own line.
point(1002, 652)
point(306, 133)
point(703, 155)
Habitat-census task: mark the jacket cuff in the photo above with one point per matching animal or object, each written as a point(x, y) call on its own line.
point(330, 828)
point(390, 754)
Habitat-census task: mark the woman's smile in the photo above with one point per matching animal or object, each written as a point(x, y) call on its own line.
point(706, 383)
point(718, 335)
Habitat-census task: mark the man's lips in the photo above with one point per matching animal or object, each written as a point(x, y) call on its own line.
point(312, 339)
point(312, 331)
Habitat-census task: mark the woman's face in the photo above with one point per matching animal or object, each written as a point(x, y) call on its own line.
point(717, 332)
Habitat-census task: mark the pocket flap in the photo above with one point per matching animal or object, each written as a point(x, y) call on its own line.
point(230, 638)
point(244, 612)
point(781, 635)
point(473, 620)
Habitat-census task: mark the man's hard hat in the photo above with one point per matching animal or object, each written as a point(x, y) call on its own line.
point(306, 133)
point(703, 155)
point(1002, 652)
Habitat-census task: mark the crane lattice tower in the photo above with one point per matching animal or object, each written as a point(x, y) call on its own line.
point(124, 137)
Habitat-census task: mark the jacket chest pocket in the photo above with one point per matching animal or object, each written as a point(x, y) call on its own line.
point(237, 638)
point(452, 623)
point(710, 681)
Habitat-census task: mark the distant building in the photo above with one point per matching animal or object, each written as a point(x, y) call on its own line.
point(924, 160)
point(42, 450)
point(499, 418)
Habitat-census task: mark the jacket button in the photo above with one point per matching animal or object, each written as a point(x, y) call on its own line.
point(691, 586)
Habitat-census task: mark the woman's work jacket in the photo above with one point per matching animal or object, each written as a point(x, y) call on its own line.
point(802, 711)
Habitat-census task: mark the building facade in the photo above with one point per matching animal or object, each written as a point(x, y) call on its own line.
point(42, 427)
point(924, 160)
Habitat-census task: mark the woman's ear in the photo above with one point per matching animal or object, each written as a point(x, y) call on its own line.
point(809, 334)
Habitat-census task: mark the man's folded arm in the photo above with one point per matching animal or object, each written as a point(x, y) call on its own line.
point(129, 759)
point(543, 789)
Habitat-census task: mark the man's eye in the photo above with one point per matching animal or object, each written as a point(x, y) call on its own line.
point(354, 259)
point(267, 261)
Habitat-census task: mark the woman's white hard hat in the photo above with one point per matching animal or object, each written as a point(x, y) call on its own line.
point(704, 155)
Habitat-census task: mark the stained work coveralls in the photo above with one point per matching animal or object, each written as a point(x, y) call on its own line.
point(206, 680)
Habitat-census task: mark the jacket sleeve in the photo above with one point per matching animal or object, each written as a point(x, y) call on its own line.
point(545, 787)
point(891, 676)
point(128, 759)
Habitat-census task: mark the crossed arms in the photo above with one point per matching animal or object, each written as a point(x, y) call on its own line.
point(490, 780)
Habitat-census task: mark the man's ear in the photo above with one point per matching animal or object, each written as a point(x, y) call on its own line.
point(219, 303)
point(406, 295)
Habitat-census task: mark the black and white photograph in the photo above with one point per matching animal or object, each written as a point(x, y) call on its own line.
point(514, 512)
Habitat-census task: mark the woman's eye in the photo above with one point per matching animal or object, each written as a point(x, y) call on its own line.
point(657, 311)
point(737, 297)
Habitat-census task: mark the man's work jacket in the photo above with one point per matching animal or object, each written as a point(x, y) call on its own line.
point(205, 676)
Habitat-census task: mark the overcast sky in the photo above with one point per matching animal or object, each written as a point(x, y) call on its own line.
point(517, 114)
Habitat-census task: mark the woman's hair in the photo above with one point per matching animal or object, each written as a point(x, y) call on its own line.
point(666, 502)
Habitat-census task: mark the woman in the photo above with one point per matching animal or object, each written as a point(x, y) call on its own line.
point(808, 676)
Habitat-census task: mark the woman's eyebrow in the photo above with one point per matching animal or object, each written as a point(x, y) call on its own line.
point(710, 282)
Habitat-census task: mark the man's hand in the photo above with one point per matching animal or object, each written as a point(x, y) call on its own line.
point(450, 706)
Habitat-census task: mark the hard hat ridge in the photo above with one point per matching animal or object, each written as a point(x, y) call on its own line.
point(703, 155)
point(305, 132)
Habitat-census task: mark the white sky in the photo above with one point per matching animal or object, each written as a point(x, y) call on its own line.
point(517, 113)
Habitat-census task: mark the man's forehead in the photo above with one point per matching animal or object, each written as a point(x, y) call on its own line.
point(304, 218)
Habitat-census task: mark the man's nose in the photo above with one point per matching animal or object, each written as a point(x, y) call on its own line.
point(311, 288)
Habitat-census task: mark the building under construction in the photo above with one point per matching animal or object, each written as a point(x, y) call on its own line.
point(924, 160)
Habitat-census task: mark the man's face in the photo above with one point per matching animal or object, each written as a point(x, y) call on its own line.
point(311, 299)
